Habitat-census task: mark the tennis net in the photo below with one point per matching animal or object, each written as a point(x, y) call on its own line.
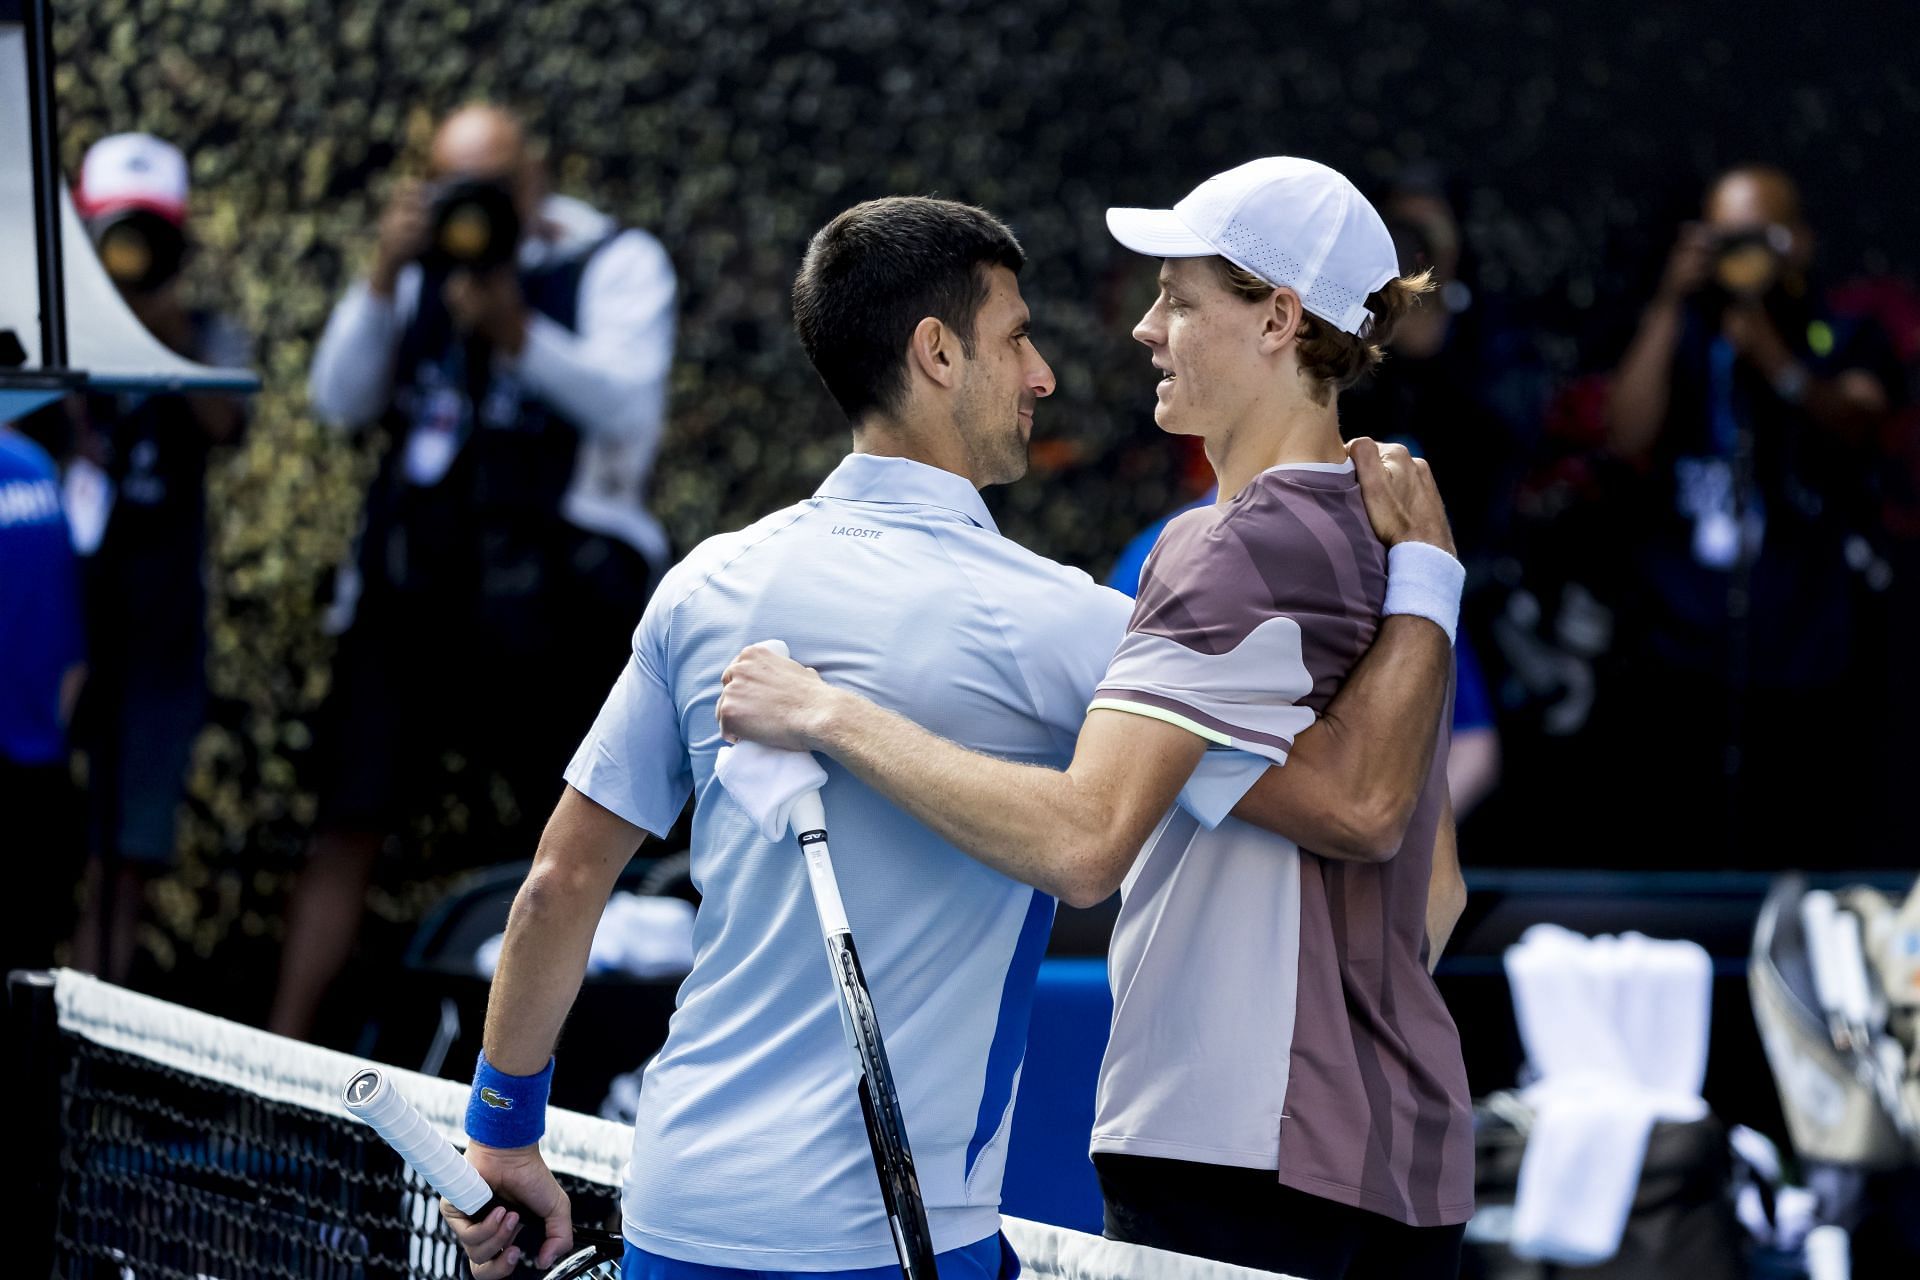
point(168, 1144)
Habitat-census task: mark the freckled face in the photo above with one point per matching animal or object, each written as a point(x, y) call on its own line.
point(1204, 339)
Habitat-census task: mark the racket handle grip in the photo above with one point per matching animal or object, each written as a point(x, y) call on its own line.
point(372, 1097)
point(1817, 918)
point(1856, 984)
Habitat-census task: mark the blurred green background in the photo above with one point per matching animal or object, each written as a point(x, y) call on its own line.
point(732, 128)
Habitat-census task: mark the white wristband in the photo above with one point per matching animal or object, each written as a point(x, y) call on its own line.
point(1425, 581)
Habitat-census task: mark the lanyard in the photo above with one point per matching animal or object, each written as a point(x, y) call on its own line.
point(1723, 407)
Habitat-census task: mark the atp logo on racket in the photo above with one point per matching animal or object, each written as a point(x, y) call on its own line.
point(498, 1101)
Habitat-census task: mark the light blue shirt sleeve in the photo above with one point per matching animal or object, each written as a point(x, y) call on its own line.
point(1218, 783)
point(1062, 636)
point(633, 761)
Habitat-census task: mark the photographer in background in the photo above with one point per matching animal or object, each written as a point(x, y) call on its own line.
point(514, 347)
point(1748, 409)
point(135, 478)
point(1464, 383)
point(1462, 386)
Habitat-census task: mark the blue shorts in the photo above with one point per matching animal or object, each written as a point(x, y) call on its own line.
point(989, 1259)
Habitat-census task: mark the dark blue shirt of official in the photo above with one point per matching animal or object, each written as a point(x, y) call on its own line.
point(40, 635)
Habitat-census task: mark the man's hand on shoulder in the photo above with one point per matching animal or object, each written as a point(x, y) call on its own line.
point(402, 235)
point(773, 700)
point(1403, 503)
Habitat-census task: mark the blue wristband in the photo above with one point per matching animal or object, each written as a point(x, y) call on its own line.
point(507, 1111)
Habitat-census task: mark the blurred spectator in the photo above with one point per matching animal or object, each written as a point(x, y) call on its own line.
point(1749, 409)
point(514, 345)
point(135, 479)
point(41, 655)
point(1463, 385)
point(1894, 305)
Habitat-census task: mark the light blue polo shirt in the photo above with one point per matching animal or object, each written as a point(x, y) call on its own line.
point(892, 580)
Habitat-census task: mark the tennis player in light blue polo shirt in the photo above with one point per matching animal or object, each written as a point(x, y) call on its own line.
point(750, 1155)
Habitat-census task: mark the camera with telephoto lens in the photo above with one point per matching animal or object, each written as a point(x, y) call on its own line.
point(473, 226)
point(140, 249)
point(1749, 262)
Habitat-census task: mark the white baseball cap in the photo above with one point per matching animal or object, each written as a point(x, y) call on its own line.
point(1294, 223)
point(133, 171)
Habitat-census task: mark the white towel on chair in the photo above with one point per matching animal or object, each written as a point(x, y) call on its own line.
point(765, 781)
point(641, 937)
point(1616, 1029)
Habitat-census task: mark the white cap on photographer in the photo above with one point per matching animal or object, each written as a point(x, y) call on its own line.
point(133, 171)
point(1294, 223)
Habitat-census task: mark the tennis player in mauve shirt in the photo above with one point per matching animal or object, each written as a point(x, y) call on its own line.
point(1283, 1087)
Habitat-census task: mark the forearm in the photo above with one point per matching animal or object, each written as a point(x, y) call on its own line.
point(550, 933)
point(352, 371)
point(1637, 402)
point(1848, 407)
point(72, 681)
point(1350, 785)
point(1834, 413)
point(542, 963)
point(1060, 832)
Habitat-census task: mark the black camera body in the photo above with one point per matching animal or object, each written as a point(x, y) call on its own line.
point(1749, 268)
point(473, 225)
point(1748, 263)
point(140, 249)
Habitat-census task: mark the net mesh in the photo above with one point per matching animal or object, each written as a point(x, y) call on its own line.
point(191, 1148)
point(166, 1174)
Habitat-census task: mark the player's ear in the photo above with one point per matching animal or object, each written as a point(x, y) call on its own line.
point(932, 349)
point(1280, 320)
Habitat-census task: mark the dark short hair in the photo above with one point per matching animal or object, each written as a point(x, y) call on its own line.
point(875, 272)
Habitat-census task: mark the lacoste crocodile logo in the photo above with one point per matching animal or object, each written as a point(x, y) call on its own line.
point(499, 1102)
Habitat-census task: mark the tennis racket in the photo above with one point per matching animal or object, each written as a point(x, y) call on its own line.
point(372, 1097)
point(879, 1101)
